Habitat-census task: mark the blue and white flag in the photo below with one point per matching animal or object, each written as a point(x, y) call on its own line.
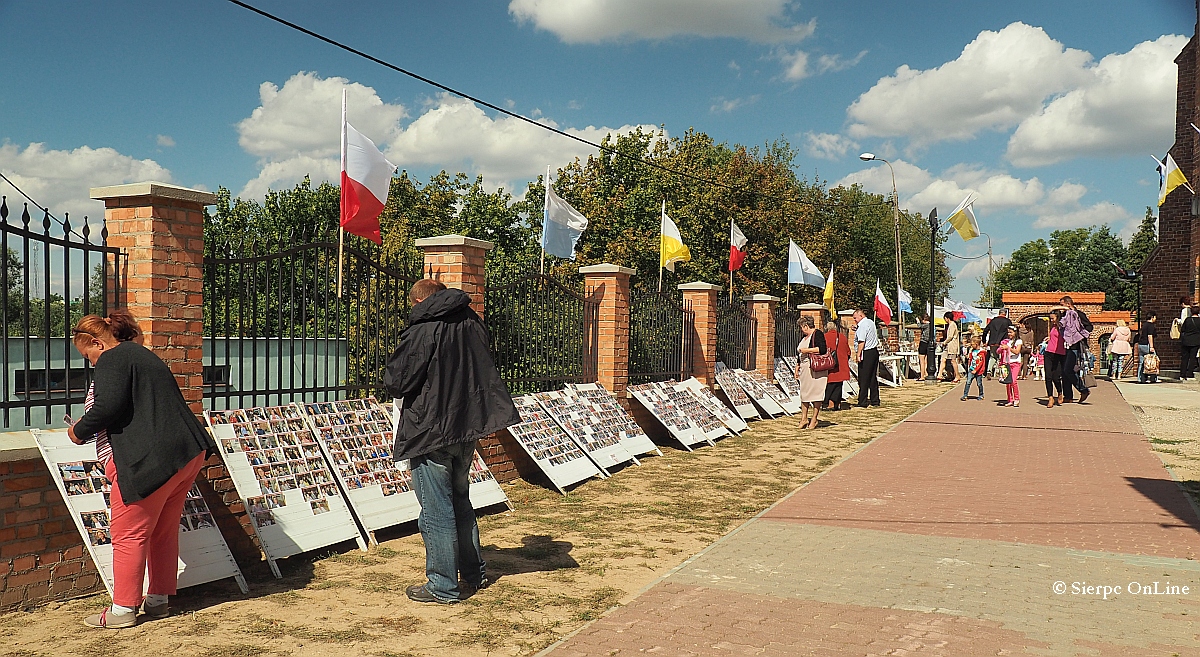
point(801, 270)
point(562, 226)
point(904, 300)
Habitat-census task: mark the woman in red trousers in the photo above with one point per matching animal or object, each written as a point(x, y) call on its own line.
point(151, 447)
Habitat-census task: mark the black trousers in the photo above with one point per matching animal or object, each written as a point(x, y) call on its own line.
point(833, 393)
point(1190, 362)
point(868, 378)
point(1054, 374)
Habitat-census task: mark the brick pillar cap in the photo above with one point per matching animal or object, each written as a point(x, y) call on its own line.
point(607, 268)
point(760, 297)
point(698, 285)
point(811, 306)
point(454, 240)
point(152, 188)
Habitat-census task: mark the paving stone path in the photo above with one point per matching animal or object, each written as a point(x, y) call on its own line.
point(969, 529)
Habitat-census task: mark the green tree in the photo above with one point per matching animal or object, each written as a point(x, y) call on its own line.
point(1076, 260)
point(1143, 242)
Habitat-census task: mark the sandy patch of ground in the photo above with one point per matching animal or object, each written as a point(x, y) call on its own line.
point(557, 561)
point(1174, 434)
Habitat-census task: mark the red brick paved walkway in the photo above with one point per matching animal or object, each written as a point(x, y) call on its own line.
point(945, 537)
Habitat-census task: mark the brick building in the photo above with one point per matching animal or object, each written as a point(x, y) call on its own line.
point(1173, 270)
point(1031, 310)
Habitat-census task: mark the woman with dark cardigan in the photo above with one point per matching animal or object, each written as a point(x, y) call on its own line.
point(812, 383)
point(151, 447)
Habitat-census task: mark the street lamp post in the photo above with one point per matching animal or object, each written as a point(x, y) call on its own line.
point(869, 157)
point(991, 288)
point(931, 359)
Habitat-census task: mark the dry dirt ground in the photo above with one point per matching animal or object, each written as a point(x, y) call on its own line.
point(1174, 434)
point(557, 561)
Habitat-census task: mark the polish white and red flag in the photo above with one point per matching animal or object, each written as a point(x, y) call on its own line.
point(883, 310)
point(366, 179)
point(737, 247)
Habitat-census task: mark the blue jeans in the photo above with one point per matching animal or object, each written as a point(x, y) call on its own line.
point(978, 378)
point(447, 521)
point(1143, 351)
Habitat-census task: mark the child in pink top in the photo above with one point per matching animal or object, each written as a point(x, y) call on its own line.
point(1010, 355)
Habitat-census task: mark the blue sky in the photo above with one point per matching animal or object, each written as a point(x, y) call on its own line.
point(1046, 110)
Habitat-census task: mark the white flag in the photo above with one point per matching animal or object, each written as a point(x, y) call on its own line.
point(802, 270)
point(562, 226)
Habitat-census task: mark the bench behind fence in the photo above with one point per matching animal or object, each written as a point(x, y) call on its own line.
point(661, 337)
point(543, 333)
point(275, 330)
point(51, 278)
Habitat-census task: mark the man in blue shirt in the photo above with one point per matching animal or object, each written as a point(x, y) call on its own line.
point(866, 346)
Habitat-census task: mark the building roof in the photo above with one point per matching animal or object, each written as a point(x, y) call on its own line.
point(1052, 297)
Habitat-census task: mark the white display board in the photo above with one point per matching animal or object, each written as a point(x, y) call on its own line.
point(279, 470)
point(785, 376)
point(716, 407)
point(356, 436)
point(736, 395)
point(203, 554)
point(764, 393)
point(596, 437)
point(485, 490)
point(605, 406)
point(669, 414)
point(554, 452)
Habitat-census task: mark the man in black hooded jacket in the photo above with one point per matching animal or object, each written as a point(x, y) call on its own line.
point(450, 395)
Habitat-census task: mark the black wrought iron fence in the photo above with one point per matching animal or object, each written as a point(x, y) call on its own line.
point(661, 338)
point(737, 335)
point(276, 331)
point(787, 332)
point(51, 278)
point(543, 333)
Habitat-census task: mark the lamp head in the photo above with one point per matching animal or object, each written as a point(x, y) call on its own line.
point(867, 157)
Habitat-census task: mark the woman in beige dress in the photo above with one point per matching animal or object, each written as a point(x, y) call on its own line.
point(812, 384)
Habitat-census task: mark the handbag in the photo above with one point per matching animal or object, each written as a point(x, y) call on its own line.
point(1089, 379)
point(827, 361)
point(1007, 380)
point(1176, 328)
point(1150, 364)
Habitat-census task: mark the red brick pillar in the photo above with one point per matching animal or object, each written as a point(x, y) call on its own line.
point(458, 262)
point(609, 285)
point(161, 229)
point(762, 307)
point(702, 297)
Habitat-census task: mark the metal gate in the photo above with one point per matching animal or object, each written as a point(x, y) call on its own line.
point(543, 333)
point(737, 335)
point(275, 330)
point(661, 338)
point(50, 279)
point(787, 332)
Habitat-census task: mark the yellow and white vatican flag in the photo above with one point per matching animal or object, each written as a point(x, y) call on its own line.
point(1170, 176)
point(671, 248)
point(963, 219)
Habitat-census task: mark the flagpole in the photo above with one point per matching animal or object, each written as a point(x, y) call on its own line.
point(545, 218)
point(342, 231)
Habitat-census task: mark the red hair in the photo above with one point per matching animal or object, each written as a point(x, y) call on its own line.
point(119, 326)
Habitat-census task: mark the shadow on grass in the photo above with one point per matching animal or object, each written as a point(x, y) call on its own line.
point(538, 553)
point(1166, 494)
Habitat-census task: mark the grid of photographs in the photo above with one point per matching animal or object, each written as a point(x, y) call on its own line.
point(732, 387)
point(358, 435)
point(195, 512)
point(581, 419)
point(96, 523)
point(663, 407)
point(715, 406)
point(759, 387)
point(479, 470)
point(85, 478)
point(284, 455)
point(541, 436)
point(785, 376)
point(687, 403)
point(606, 408)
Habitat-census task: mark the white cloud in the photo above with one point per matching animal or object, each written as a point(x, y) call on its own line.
point(796, 64)
point(295, 133)
point(596, 21)
point(457, 134)
point(304, 117)
point(60, 179)
point(165, 141)
point(1125, 106)
point(1000, 79)
point(723, 105)
point(877, 178)
point(828, 146)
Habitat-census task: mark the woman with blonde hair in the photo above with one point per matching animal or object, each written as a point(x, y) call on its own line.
point(812, 384)
point(1120, 348)
point(151, 447)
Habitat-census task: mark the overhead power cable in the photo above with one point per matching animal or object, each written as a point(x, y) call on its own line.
point(39, 206)
point(515, 115)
